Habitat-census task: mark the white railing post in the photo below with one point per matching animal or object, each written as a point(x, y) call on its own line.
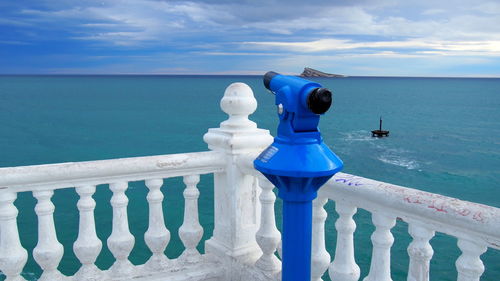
point(420, 252)
point(121, 241)
point(320, 258)
point(344, 267)
point(237, 208)
point(191, 231)
point(12, 255)
point(48, 251)
point(268, 236)
point(157, 236)
point(469, 264)
point(87, 246)
point(382, 239)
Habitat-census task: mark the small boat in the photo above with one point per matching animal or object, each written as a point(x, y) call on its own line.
point(380, 133)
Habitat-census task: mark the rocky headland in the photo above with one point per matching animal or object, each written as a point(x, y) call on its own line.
point(309, 72)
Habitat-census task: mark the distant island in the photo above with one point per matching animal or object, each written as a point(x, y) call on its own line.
point(309, 72)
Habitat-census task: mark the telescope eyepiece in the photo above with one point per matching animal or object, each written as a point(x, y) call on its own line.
point(268, 77)
point(319, 100)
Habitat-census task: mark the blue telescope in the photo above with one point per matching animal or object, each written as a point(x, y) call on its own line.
point(298, 163)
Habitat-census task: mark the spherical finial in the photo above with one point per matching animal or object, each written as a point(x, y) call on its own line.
point(238, 100)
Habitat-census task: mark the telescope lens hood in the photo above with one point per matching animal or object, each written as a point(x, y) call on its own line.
point(319, 100)
point(268, 77)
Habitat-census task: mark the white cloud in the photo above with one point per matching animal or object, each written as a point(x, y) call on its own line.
point(326, 45)
point(13, 22)
point(125, 23)
point(150, 20)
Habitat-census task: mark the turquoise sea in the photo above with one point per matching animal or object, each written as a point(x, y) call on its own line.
point(445, 138)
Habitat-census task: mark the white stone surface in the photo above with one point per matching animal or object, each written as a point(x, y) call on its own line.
point(13, 256)
point(48, 251)
point(382, 239)
point(191, 231)
point(344, 267)
point(469, 264)
point(320, 258)
point(121, 241)
point(420, 252)
point(268, 236)
point(157, 236)
point(87, 246)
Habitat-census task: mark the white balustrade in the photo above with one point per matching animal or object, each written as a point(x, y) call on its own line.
point(12, 255)
point(469, 264)
point(48, 252)
point(320, 258)
point(420, 252)
point(121, 241)
point(382, 239)
point(157, 236)
point(268, 235)
point(191, 231)
point(344, 267)
point(87, 246)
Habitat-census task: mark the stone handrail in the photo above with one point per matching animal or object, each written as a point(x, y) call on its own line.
point(441, 213)
point(475, 225)
point(55, 176)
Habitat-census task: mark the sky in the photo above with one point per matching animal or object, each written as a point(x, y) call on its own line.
point(352, 37)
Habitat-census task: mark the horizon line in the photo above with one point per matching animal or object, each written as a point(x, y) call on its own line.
point(235, 74)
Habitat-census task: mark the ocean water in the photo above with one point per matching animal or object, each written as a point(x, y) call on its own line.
point(444, 139)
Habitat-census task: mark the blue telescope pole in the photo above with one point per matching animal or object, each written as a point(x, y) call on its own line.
point(296, 244)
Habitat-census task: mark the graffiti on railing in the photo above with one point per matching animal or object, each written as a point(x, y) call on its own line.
point(349, 180)
point(436, 202)
point(444, 207)
point(172, 163)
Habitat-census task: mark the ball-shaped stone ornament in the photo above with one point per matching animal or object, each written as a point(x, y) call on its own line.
point(238, 100)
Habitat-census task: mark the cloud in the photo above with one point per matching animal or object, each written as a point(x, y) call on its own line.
point(136, 21)
point(209, 30)
point(415, 45)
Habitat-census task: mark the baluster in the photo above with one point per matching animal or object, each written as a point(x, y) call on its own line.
point(157, 236)
point(48, 251)
point(420, 252)
point(12, 255)
point(191, 231)
point(382, 239)
point(344, 267)
point(320, 258)
point(87, 246)
point(268, 235)
point(469, 264)
point(121, 241)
